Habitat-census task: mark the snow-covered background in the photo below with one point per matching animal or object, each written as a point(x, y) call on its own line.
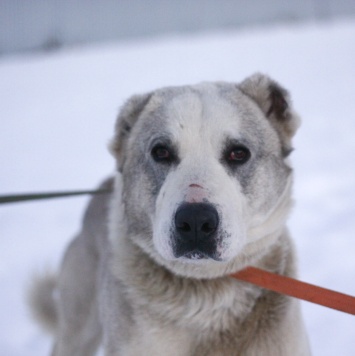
point(57, 113)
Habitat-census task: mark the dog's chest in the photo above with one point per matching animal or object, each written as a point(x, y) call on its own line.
point(213, 306)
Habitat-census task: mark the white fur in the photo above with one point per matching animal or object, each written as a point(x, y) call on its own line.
point(120, 281)
point(198, 123)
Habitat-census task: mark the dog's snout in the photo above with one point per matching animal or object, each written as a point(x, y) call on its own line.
point(195, 221)
point(196, 225)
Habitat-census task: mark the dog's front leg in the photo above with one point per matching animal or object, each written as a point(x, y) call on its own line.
point(284, 338)
point(78, 332)
point(148, 337)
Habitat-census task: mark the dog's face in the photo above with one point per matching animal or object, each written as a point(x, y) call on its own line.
point(205, 176)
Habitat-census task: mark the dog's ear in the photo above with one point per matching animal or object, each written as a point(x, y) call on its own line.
point(275, 103)
point(127, 117)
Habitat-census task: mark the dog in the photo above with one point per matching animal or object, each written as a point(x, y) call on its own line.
point(202, 189)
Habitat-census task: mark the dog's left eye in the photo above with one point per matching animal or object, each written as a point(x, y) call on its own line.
point(238, 155)
point(162, 154)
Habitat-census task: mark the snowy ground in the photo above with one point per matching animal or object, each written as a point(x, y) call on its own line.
point(57, 113)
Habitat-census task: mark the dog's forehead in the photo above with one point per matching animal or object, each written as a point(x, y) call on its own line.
point(201, 102)
point(212, 113)
point(203, 109)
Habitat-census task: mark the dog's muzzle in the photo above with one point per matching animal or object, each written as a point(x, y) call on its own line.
point(196, 231)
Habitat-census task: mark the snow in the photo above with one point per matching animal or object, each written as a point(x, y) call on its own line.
point(57, 114)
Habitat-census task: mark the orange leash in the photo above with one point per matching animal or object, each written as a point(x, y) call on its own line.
point(297, 289)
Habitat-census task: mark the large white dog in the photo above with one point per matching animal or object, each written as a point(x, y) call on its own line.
point(202, 190)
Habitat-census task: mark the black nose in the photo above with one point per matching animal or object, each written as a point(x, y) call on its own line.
point(196, 225)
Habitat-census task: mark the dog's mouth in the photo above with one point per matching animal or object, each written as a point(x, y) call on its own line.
point(197, 255)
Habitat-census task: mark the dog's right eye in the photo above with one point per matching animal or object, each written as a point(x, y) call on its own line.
point(162, 154)
point(236, 155)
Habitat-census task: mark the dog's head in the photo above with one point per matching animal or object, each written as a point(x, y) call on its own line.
point(205, 178)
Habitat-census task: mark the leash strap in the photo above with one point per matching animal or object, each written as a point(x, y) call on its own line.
point(295, 288)
point(16, 198)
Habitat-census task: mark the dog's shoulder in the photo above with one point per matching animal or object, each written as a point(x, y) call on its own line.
point(94, 225)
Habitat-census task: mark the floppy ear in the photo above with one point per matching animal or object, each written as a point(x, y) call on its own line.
point(275, 103)
point(127, 117)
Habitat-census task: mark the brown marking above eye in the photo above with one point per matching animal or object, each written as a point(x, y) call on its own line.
point(194, 185)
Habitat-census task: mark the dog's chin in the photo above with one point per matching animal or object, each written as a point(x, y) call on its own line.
point(197, 256)
point(199, 265)
point(189, 257)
